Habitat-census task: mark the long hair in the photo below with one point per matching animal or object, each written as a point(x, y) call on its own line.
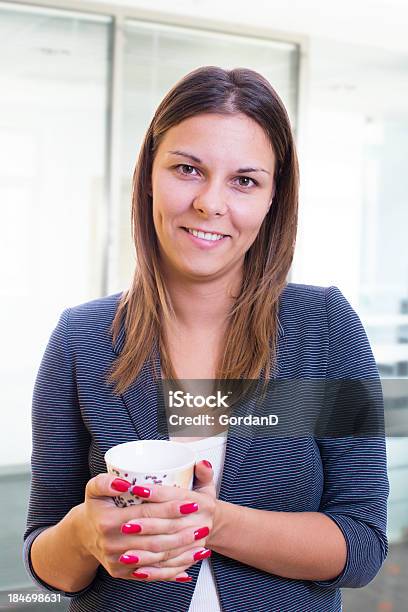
point(250, 341)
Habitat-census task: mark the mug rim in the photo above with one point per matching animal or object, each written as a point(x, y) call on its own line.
point(181, 467)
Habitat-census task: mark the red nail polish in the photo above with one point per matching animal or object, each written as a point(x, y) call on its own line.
point(131, 528)
point(202, 554)
point(184, 579)
point(207, 463)
point(140, 491)
point(188, 508)
point(140, 575)
point(201, 533)
point(129, 559)
point(119, 484)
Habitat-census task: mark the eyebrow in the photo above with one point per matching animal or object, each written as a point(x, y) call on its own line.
point(195, 159)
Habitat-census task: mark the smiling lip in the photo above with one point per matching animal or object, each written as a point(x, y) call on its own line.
point(206, 231)
point(202, 243)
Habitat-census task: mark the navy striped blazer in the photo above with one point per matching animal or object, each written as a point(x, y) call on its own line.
point(76, 419)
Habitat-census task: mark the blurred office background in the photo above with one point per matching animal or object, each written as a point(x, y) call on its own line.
point(80, 82)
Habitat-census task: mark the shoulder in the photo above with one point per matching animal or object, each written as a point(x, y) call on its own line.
point(314, 306)
point(301, 298)
point(303, 318)
point(100, 310)
point(88, 324)
point(320, 324)
point(298, 293)
point(299, 302)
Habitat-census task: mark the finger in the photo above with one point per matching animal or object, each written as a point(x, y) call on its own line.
point(161, 493)
point(140, 556)
point(172, 558)
point(203, 474)
point(153, 574)
point(106, 485)
point(157, 526)
point(204, 478)
point(173, 509)
point(187, 558)
point(184, 577)
point(163, 541)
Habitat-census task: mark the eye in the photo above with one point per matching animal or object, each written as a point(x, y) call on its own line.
point(180, 169)
point(180, 166)
point(246, 178)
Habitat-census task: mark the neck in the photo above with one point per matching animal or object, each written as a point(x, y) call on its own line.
point(202, 305)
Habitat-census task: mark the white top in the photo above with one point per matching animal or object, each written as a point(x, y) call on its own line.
point(205, 596)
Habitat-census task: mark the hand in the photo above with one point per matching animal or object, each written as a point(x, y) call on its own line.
point(165, 532)
point(166, 563)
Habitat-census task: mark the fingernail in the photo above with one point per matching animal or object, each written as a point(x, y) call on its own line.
point(184, 579)
point(188, 508)
point(119, 484)
point(140, 575)
point(207, 463)
point(201, 533)
point(140, 491)
point(202, 554)
point(131, 528)
point(129, 559)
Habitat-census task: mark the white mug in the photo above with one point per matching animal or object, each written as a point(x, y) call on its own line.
point(142, 462)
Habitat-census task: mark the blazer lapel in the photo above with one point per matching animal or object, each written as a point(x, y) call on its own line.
point(239, 438)
point(144, 398)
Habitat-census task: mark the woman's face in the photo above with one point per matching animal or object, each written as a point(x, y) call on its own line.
point(212, 173)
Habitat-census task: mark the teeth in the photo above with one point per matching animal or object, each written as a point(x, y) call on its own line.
point(206, 236)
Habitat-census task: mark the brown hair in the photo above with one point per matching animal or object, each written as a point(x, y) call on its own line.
point(250, 340)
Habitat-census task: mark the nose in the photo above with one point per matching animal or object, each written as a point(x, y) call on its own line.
point(210, 202)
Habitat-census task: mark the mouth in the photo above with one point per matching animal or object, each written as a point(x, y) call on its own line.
point(205, 240)
point(202, 234)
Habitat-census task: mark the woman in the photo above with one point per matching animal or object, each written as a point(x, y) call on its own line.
point(214, 223)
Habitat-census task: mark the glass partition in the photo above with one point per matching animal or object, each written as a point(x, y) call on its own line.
point(54, 77)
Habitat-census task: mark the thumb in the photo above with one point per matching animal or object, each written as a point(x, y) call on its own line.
point(106, 485)
point(203, 473)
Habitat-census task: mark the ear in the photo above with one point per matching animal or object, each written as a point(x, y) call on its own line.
point(273, 191)
point(272, 196)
